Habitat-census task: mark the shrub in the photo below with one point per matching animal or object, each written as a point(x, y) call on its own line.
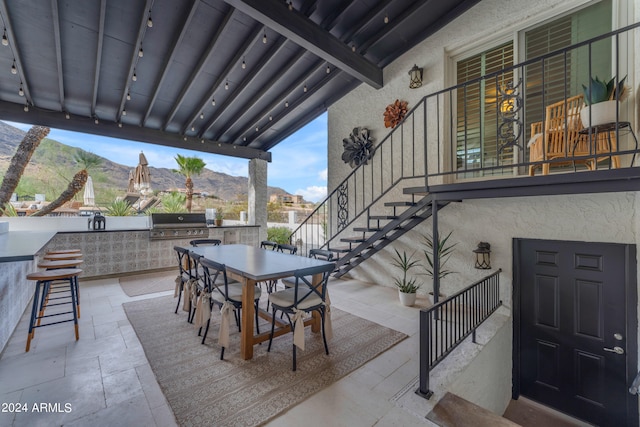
point(278, 234)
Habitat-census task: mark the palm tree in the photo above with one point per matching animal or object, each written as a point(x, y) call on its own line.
point(19, 162)
point(87, 161)
point(189, 166)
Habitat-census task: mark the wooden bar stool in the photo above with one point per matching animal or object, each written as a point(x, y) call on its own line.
point(58, 257)
point(64, 251)
point(54, 265)
point(43, 280)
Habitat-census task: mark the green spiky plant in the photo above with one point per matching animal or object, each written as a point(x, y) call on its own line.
point(174, 202)
point(406, 263)
point(600, 91)
point(444, 251)
point(120, 208)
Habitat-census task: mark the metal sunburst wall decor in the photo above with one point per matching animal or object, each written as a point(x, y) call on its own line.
point(394, 113)
point(358, 147)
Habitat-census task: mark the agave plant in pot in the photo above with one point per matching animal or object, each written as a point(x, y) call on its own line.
point(600, 99)
point(407, 287)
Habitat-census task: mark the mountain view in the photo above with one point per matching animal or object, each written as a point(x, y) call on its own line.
point(52, 167)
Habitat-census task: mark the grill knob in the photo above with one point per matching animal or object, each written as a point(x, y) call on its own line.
point(162, 234)
point(188, 232)
point(201, 232)
point(175, 233)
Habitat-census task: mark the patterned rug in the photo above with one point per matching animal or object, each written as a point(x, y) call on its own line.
point(203, 390)
point(148, 283)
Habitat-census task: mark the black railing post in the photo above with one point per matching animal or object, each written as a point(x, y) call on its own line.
point(425, 352)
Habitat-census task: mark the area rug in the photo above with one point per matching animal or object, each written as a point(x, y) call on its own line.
point(148, 283)
point(203, 390)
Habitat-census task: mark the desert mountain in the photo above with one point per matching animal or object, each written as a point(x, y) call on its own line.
point(52, 166)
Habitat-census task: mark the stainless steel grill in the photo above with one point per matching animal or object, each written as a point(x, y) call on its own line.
point(167, 226)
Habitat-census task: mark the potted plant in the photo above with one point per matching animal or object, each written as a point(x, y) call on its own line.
point(407, 287)
point(600, 98)
point(444, 251)
point(218, 218)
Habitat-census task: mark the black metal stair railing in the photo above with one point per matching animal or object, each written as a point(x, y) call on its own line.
point(440, 141)
point(446, 324)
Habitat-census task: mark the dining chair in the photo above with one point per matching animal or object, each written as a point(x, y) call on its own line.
point(205, 242)
point(322, 254)
point(292, 249)
point(266, 244)
point(303, 298)
point(225, 294)
point(268, 284)
point(186, 276)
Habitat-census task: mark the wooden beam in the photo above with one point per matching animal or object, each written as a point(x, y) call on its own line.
point(304, 32)
point(55, 17)
point(169, 59)
point(96, 76)
point(54, 119)
point(199, 67)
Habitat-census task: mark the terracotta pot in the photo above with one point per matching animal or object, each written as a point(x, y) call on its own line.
point(407, 299)
point(601, 113)
point(217, 222)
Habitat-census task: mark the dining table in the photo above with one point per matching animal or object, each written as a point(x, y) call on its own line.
point(250, 265)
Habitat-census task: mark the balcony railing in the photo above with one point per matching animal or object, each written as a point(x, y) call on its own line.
point(446, 324)
point(482, 130)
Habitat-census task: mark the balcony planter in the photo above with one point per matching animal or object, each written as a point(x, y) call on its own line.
point(601, 113)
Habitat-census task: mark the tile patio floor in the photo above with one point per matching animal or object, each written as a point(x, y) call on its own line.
point(107, 379)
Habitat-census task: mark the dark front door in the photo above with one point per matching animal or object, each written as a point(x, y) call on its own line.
point(577, 327)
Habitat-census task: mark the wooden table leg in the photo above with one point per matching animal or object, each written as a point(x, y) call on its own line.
point(316, 325)
point(246, 323)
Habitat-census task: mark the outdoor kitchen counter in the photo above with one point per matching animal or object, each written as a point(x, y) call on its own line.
point(23, 245)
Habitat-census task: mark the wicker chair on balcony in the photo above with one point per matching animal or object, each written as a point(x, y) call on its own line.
point(561, 143)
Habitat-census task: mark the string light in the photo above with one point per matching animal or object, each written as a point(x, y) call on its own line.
point(21, 91)
point(185, 138)
point(124, 112)
point(5, 40)
point(95, 120)
point(244, 64)
point(244, 138)
point(304, 89)
point(290, 5)
point(128, 96)
point(119, 124)
point(67, 115)
point(26, 108)
point(193, 128)
point(286, 104)
point(201, 116)
point(140, 53)
point(353, 48)
point(386, 18)
point(226, 85)
point(134, 77)
point(257, 128)
point(14, 70)
point(328, 69)
point(270, 118)
point(149, 21)
point(213, 102)
point(264, 37)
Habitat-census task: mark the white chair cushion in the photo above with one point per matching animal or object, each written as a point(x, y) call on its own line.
point(286, 299)
point(235, 292)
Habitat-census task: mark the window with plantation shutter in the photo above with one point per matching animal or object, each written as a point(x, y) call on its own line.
point(477, 109)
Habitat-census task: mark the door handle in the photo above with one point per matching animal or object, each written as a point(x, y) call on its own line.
point(616, 349)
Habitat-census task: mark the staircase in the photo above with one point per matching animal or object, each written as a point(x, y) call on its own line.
point(383, 229)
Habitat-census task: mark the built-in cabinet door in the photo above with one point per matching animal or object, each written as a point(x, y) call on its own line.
point(574, 328)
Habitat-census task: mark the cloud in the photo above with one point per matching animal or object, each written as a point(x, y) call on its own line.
point(324, 174)
point(313, 193)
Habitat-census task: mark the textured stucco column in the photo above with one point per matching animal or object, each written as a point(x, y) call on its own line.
point(258, 195)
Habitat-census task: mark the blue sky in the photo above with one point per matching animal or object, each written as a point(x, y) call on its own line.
point(299, 163)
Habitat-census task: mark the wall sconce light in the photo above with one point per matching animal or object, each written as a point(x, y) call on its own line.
point(483, 256)
point(415, 77)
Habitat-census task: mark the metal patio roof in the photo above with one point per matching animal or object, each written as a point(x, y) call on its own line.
point(233, 77)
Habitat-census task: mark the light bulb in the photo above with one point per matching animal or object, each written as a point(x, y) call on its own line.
point(257, 128)
point(5, 40)
point(244, 64)
point(67, 116)
point(305, 88)
point(140, 53)
point(328, 69)
point(21, 91)
point(124, 112)
point(119, 124)
point(213, 102)
point(14, 70)
point(386, 18)
point(244, 139)
point(226, 85)
point(128, 96)
point(201, 116)
point(149, 22)
point(290, 5)
point(26, 108)
point(202, 141)
point(96, 121)
point(193, 128)
point(353, 48)
point(286, 104)
point(264, 38)
point(134, 77)
point(270, 118)
point(185, 138)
